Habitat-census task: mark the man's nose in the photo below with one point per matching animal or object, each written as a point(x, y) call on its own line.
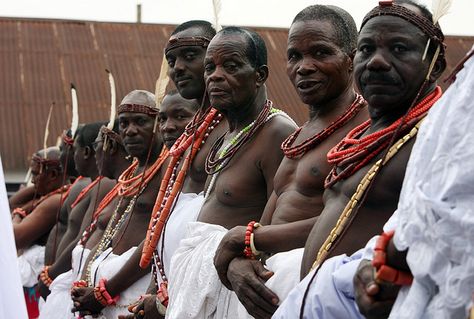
point(306, 66)
point(378, 61)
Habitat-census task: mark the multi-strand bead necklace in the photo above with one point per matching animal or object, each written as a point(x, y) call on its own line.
point(354, 152)
point(293, 151)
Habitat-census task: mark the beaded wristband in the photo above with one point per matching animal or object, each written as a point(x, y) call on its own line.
point(383, 271)
point(44, 276)
point(102, 295)
point(250, 251)
point(20, 212)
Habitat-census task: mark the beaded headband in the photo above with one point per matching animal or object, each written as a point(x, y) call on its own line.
point(196, 41)
point(68, 140)
point(138, 108)
point(46, 163)
point(105, 131)
point(388, 8)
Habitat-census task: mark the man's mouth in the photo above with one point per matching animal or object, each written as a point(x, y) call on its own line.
point(216, 91)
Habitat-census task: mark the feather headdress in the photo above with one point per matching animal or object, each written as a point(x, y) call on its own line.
point(161, 84)
point(439, 9)
point(217, 6)
point(113, 102)
point(46, 131)
point(75, 111)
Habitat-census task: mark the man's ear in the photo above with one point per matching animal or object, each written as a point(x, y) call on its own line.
point(262, 75)
point(112, 147)
point(350, 61)
point(53, 174)
point(88, 152)
point(438, 69)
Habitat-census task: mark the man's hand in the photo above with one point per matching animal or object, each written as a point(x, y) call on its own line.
point(43, 289)
point(84, 301)
point(248, 279)
point(231, 246)
point(145, 308)
point(374, 299)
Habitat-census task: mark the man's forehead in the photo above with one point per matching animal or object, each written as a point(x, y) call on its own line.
point(390, 26)
point(229, 43)
point(195, 31)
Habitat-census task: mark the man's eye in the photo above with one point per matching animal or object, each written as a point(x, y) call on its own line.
point(400, 48)
point(189, 56)
point(170, 63)
point(365, 49)
point(209, 68)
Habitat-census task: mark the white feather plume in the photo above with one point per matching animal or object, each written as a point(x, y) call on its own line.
point(161, 83)
point(75, 111)
point(217, 6)
point(113, 102)
point(46, 131)
point(440, 8)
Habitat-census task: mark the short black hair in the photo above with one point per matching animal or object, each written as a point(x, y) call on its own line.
point(256, 48)
point(87, 134)
point(344, 25)
point(207, 28)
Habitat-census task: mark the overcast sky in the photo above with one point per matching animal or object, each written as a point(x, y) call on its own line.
point(270, 13)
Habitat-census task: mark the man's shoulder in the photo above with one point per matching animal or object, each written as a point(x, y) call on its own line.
point(279, 124)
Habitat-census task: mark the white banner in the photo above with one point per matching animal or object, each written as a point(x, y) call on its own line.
point(12, 300)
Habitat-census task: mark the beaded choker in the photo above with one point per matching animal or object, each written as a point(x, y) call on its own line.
point(354, 152)
point(293, 151)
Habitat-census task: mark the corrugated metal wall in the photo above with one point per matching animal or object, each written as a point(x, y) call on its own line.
point(40, 58)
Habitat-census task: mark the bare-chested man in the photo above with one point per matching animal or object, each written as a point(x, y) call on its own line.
point(241, 163)
point(33, 221)
point(320, 51)
point(81, 199)
point(112, 161)
point(138, 188)
point(362, 189)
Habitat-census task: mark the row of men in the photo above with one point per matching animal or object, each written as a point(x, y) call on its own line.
point(328, 186)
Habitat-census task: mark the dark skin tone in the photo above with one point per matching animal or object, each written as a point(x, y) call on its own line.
point(389, 73)
point(175, 113)
point(136, 130)
point(322, 75)
point(43, 216)
point(70, 220)
point(186, 62)
point(22, 197)
point(375, 298)
point(237, 89)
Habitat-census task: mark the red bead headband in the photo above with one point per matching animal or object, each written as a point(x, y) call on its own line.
point(425, 25)
point(137, 108)
point(45, 162)
point(67, 139)
point(105, 131)
point(187, 41)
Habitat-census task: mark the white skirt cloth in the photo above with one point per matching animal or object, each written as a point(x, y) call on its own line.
point(58, 305)
point(195, 290)
point(30, 264)
point(187, 208)
point(106, 266)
